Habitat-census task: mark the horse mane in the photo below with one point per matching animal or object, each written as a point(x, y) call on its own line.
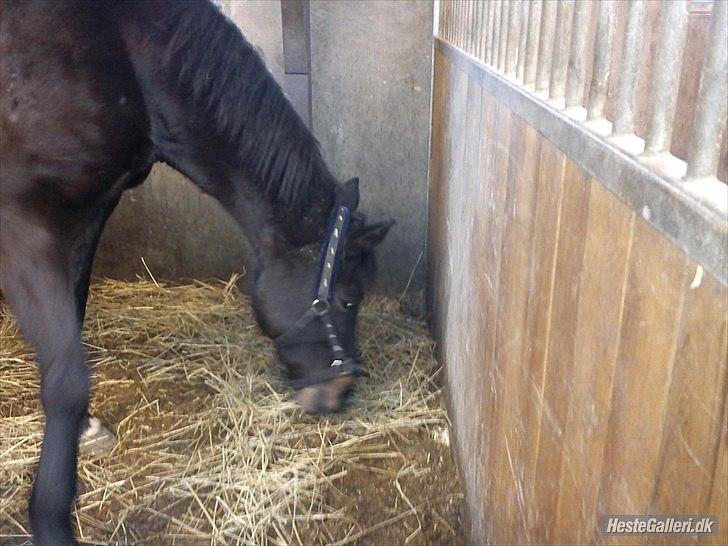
point(228, 79)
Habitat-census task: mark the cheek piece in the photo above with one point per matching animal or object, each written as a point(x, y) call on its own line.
point(330, 264)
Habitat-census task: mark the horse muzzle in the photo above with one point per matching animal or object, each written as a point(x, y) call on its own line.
point(330, 396)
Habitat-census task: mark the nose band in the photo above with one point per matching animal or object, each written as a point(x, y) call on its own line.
point(330, 263)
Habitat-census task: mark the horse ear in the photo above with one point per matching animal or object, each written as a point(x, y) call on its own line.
point(348, 194)
point(366, 238)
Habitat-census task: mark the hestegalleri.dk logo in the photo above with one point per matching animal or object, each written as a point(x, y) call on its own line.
point(659, 525)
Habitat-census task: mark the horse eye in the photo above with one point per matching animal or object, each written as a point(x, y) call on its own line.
point(349, 305)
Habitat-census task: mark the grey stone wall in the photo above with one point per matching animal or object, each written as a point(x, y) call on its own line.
point(370, 70)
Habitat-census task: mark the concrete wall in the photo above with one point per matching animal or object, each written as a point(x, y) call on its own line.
point(262, 25)
point(371, 72)
point(370, 68)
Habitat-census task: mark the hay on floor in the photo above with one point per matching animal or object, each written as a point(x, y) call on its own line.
point(212, 450)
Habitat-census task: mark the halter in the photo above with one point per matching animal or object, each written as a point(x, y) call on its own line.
point(341, 363)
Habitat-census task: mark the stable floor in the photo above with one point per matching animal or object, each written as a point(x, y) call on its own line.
point(212, 450)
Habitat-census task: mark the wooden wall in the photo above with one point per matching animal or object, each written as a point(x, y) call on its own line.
point(585, 356)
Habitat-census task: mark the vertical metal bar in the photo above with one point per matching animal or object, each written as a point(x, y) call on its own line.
point(478, 28)
point(488, 37)
point(484, 6)
point(466, 23)
point(436, 29)
point(577, 57)
point(709, 124)
point(470, 28)
point(442, 31)
point(481, 27)
point(546, 45)
point(629, 68)
point(666, 75)
point(487, 14)
point(441, 20)
point(450, 18)
point(557, 86)
point(444, 15)
point(502, 43)
point(514, 36)
point(475, 28)
point(451, 22)
point(498, 10)
point(532, 41)
point(448, 21)
point(521, 66)
point(461, 23)
point(455, 21)
point(602, 60)
point(467, 4)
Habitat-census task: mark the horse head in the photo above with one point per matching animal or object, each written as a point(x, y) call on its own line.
point(307, 300)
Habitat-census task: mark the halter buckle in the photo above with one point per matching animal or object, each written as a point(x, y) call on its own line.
point(321, 307)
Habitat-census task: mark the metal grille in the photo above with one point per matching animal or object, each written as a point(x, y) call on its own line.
point(546, 47)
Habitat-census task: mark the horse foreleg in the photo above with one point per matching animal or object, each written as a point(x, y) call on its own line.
point(95, 438)
point(36, 280)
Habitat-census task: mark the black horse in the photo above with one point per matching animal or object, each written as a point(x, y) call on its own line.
point(92, 94)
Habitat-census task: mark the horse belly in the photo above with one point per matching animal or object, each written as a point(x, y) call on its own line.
point(73, 119)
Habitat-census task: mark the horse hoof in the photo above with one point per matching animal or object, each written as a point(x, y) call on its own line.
point(96, 439)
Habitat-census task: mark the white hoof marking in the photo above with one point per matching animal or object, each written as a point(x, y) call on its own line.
point(96, 439)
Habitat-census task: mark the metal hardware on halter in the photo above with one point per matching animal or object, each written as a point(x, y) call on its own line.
point(341, 364)
point(320, 307)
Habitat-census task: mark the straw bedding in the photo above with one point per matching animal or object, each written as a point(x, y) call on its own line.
point(212, 450)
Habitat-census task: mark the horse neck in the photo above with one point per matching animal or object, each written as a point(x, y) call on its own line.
point(218, 116)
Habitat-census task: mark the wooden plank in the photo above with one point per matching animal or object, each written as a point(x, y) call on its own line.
point(465, 377)
point(439, 160)
point(499, 369)
point(453, 169)
point(439, 195)
point(719, 494)
point(540, 295)
point(507, 439)
point(556, 382)
point(500, 475)
point(656, 285)
point(599, 316)
point(482, 217)
point(690, 440)
point(456, 171)
point(463, 151)
point(489, 234)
